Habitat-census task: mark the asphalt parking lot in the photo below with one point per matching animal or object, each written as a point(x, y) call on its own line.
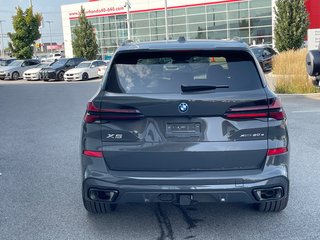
point(40, 195)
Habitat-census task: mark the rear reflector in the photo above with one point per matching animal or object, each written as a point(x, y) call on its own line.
point(277, 151)
point(89, 153)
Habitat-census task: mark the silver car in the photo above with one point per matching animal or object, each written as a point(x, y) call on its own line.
point(16, 69)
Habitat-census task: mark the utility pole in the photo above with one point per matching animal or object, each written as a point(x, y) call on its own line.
point(2, 43)
point(50, 35)
point(166, 18)
point(30, 2)
point(128, 6)
point(41, 30)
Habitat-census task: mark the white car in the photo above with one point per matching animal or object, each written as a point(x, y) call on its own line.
point(53, 57)
point(102, 69)
point(84, 71)
point(33, 74)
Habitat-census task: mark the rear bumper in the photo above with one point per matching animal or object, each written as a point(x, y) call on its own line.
point(204, 186)
point(198, 193)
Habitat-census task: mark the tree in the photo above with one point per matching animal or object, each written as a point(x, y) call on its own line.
point(26, 27)
point(291, 26)
point(84, 42)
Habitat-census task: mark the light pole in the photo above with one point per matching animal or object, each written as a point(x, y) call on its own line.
point(128, 6)
point(2, 43)
point(50, 35)
point(166, 18)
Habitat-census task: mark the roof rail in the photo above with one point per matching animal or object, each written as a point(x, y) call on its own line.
point(237, 39)
point(181, 39)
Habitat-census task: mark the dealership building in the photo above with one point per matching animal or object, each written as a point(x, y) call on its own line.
point(249, 20)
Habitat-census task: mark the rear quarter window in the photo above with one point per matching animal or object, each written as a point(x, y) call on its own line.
point(167, 71)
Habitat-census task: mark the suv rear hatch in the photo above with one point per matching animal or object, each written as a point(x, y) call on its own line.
point(181, 111)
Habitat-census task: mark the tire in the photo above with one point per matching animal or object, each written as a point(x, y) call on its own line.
point(99, 207)
point(60, 76)
point(15, 75)
point(313, 63)
point(85, 76)
point(273, 206)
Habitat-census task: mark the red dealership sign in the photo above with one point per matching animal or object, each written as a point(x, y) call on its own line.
point(313, 7)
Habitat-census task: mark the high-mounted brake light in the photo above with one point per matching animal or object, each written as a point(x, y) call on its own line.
point(277, 151)
point(90, 153)
point(273, 110)
point(94, 113)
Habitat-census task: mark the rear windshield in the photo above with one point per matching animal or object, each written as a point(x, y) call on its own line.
point(257, 51)
point(167, 71)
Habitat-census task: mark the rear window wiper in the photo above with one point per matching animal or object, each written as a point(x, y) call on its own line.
point(198, 88)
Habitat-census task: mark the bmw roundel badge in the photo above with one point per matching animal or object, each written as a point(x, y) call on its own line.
point(183, 107)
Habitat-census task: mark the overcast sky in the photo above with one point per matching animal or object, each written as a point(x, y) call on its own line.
point(50, 10)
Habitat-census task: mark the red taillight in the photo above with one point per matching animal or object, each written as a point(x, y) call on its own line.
point(89, 153)
point(92, 108)
point(94, 114)
point(273, 110)
point(276, 111)
point(246, 115)
point(277, 151)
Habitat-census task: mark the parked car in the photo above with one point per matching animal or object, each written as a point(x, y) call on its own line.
point(54, 56)
point(57, 69)
point(264, 54)
point(6, 61)
point(102, 69)
point(211, 131)
point(45, 60)
point(33, 73)
point(84, 71)
point(16, 68)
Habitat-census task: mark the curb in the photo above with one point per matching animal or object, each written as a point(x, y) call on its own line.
point(24, 82)
point(298, 94)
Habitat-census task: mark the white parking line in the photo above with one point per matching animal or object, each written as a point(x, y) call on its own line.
point(307, 111)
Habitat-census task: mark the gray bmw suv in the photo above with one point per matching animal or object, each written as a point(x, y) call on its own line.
point(184, 122)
